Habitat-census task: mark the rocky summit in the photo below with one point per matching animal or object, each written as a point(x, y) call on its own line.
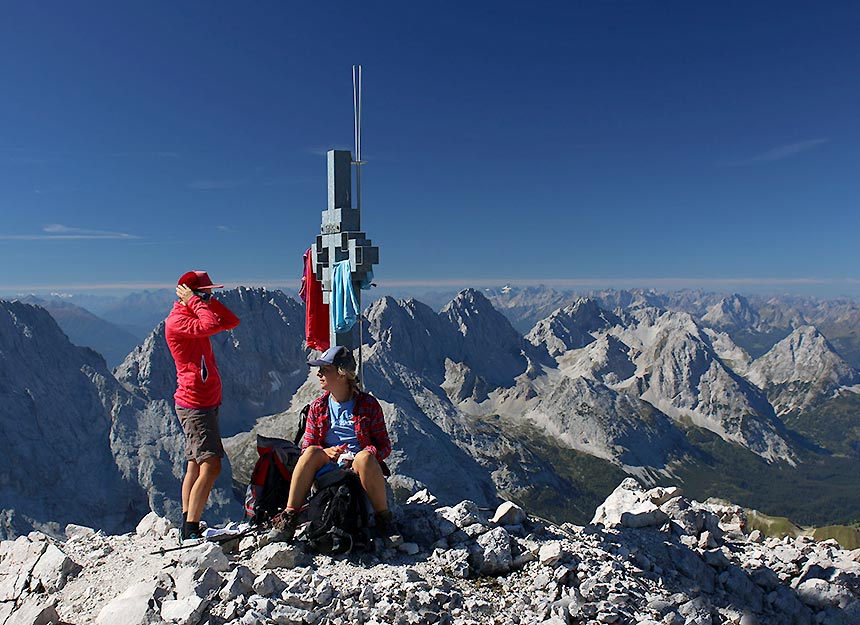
point(649, 556)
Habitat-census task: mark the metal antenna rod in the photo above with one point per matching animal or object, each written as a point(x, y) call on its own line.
point(356, 107)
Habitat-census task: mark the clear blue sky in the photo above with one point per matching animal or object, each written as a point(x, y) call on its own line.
point(616, 143)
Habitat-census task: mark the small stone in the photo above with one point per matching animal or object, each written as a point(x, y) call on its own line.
point(550, 553)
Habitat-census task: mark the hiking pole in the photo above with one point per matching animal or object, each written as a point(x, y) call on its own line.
point(218, 540)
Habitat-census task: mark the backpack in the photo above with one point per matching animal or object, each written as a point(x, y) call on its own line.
point(338, 514)
point(269, 487)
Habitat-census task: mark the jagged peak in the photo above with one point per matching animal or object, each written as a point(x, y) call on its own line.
point(470, 299)
point(805, 355)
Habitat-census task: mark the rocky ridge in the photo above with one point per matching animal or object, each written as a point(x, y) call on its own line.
point(800, 369)
point(649, 557)
point(262, 362)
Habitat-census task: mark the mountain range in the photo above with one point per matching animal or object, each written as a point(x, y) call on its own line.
point(660, 386)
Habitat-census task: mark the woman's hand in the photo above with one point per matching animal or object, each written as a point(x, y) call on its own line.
point(184, 293)
point(334, 452)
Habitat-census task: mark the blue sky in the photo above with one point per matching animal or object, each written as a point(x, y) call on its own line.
point(711, 144)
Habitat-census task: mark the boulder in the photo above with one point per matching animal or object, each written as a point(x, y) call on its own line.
point(76, 532)
point(462, 515)
point(184, 611)
point(204, 556)
point(135, 606)
point(509, 513)
point(193, 582)
point(17, 559)
point(52, 570)
point(279, 556)
point(493, 556)
point(35, 610)
point(267, 584)
point(238, 582)
point(820, 594)
point(550, 553)
point(629, 506)
point(154, 525)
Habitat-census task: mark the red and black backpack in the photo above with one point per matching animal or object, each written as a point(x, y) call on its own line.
point(269, 488)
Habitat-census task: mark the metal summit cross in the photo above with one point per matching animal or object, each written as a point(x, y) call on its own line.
point(340, 237)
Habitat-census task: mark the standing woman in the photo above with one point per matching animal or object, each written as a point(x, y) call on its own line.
point(344, 420)
point(193, 319)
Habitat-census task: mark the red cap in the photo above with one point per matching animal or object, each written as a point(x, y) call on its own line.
point(196, 280)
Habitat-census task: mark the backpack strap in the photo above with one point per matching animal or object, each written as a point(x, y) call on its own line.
point(303, 424)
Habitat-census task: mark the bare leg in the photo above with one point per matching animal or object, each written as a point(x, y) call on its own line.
point(370, 474)
point(209, 470)
point(312, 460)
point(191, 474)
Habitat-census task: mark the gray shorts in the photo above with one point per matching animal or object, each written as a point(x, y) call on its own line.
point(202, 433)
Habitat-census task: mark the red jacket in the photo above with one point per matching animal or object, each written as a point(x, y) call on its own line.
point(187, 330)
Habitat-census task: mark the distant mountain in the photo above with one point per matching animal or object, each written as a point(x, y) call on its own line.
point(476, 410)
point(571, 327)
point(262, 362)
point(140, 312)
point(594, 418)
point(87, 330)
point(732, 313)
point(800, 369)
point(525, 306)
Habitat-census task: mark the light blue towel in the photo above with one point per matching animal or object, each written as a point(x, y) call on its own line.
point(344, 307)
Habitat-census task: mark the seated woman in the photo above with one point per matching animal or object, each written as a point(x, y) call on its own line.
point(343, 421)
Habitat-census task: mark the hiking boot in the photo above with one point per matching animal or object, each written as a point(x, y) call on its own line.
point(387, 529)
point(187, 534)
point(284, 526)
point(190, 538)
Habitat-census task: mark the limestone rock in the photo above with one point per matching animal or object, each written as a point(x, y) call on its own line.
point(509, 513)
point(279, 555)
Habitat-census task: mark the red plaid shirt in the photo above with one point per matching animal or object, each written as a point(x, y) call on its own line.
point(369, 423)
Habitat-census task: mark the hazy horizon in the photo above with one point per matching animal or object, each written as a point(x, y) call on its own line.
point(821, 289)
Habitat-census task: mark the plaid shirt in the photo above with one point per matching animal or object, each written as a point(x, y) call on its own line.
point(369, 423)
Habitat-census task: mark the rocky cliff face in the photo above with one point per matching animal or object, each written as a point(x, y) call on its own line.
point(680, 373)
point(592, 417)
point(54, 430)
point(649, 557)
point(77, 445)
point(666, 359)
point(801, 369)
point(571, 327)
point(489, 345)
point(262, 362)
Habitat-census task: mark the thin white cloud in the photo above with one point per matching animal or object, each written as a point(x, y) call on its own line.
point(782, 152)
point(223, 228)
point(664, 283)
point(59, 232)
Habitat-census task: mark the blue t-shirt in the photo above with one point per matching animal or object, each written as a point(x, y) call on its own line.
point(342, 430)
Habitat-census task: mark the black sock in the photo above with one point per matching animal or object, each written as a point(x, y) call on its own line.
point(184, 516)
point(190, 527)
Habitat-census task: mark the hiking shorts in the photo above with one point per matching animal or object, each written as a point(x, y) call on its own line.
point(202, 433)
